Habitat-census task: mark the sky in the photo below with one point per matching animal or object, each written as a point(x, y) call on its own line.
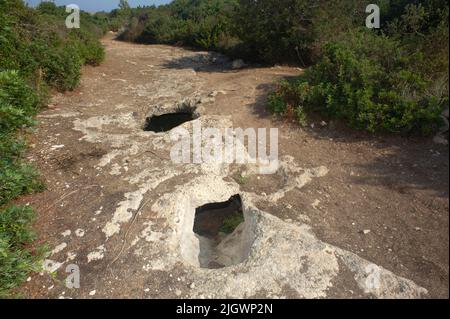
point(100, 5)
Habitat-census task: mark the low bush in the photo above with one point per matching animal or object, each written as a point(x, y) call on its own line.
point(18, 102)
point(16, 177)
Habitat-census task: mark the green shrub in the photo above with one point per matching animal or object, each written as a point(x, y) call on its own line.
point(367, 81)
point(18, 102)
point(288, 100)
point(275, 31)
point(203, 24)
point(37, 40)
point(37, 53)
point(207, 37)
point(17, 258)
point(16, 178)
point(277, 103)
point(88, 47)
point(62, 68)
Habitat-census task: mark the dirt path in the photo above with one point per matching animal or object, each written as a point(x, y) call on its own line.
point(119, 209)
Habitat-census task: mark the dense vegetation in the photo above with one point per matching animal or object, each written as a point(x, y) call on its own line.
point(37, 54)
point(390, 79)
point(202, 24)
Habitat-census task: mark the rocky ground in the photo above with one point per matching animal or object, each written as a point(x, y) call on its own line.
point(346, 215)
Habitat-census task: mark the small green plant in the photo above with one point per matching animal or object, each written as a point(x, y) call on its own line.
point(232, 222)
point(18, 102)
point(241, 179)
point(88, 47)
point(301, 116)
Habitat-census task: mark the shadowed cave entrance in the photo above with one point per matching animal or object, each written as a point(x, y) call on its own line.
point(219, 228)
point(166, 122)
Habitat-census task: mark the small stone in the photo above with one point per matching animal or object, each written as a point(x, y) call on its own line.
point(366, 231)
point(79, 232)
point(92, 293)
point(192, 286)
point(440, 140)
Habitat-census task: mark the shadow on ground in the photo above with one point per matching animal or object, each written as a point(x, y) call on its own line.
point(207, 62)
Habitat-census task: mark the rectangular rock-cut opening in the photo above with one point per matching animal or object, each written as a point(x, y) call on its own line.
point(215, 218)
point(166, 122)
point(213, 223)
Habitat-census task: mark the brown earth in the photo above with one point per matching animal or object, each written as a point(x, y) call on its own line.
point(394, 186)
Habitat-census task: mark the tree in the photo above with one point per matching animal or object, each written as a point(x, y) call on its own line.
point(124, 5)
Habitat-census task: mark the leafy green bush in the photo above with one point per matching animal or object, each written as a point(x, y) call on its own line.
point(394, 79)
point(273, 30)
point(370, 82)
point(62, 68)
point(204, 24)
point(18, 102)
point(87, 46)
point(17, 258)
point(37, 41)
point(37, 53)
point(16, 177)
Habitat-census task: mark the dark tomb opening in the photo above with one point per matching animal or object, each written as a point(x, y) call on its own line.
point(215, 224)
point(166, 122)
